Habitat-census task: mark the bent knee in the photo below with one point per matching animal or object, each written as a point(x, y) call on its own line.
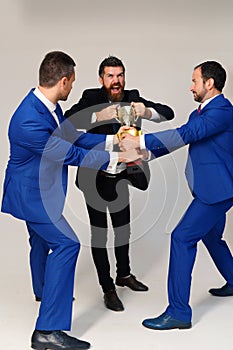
point(180, 235)
point(71, 244)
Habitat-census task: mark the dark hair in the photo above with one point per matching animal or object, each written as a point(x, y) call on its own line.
point(110, 61)
point(55, 66)
point(214, 70)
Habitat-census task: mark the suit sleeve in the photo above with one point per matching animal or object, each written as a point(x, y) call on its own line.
point(209, 124)
point(165, 111)
point(38, 138)
point(82, 139)
point(80, 113)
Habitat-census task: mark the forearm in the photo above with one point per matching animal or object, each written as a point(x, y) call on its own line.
point(165, 112)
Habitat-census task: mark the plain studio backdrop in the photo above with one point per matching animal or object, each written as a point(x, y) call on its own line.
point(159, 42)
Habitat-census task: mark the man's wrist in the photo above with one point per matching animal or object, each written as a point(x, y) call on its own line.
point(98, 116)
point(148, 113)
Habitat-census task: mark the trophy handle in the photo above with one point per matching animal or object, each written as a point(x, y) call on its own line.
point(134, 117)
point(118, 114)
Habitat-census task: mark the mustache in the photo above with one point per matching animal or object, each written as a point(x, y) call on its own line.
point(116, 85)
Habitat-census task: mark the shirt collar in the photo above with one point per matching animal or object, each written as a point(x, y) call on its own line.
point(51, 106)
point(207, 101)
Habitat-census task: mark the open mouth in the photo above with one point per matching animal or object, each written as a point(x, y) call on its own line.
point(115, 89)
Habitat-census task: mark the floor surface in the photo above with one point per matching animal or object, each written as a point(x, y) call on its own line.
point(105, 329)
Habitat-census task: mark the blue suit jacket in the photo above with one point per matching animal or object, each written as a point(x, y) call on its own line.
point(36, 176)
point(209, 168)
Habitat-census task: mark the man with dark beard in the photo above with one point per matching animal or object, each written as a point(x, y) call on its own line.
point(96, 112)
point(209, 172)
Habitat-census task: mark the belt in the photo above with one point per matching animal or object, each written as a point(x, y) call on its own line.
point(109, 175)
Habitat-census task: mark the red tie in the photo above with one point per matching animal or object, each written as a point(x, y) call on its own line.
point(199, 109)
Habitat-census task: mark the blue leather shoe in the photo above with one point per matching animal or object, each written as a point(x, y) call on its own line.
point(225, 291)
point(165, 322)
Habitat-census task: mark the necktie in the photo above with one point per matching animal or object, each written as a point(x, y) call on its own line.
point(199, 109)
point(55, 114)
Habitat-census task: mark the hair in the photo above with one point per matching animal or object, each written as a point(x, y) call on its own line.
point(110, 61)
point(214, 70)
point(55, 65)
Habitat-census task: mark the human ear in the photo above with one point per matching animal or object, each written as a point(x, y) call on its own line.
point(210, 83)
point(101, 81)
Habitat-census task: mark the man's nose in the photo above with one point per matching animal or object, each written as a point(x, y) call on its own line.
point(115, 79)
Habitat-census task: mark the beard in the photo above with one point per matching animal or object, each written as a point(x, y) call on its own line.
point(201, 96)
point(115, 97)
point(64, 96)
point(197, 98)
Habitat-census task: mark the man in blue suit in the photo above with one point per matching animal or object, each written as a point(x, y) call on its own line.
point(42, 145)
point(209, 172)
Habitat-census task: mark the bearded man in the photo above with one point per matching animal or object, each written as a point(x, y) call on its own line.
point(107, 191)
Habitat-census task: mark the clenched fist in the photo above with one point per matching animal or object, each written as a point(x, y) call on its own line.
point(129, 142)
point(107, 113)
point(140, 110)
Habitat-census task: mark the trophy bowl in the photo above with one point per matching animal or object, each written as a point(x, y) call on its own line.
point(126, 116)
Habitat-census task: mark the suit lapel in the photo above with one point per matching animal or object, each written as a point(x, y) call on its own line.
point(42, 109)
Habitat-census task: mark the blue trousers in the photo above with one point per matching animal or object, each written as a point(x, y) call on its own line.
point(200, 222)
point(53, 257)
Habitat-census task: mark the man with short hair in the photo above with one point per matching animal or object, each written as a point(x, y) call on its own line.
point(42, 146)
point(104, 191)
point(209, 172)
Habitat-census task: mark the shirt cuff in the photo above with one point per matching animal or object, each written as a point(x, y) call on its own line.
point(155, 115)
point(112, 163)
point(143, 147)
point(142, 142)
point(93, 118)
point(109, 143)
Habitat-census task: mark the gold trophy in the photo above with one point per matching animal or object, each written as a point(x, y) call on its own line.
point(126, 116)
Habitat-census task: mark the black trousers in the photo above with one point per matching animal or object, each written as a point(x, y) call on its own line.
point(105, 194)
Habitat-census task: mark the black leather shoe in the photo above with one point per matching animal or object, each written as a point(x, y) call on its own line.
point(56, 340)
point(132, 283)
point(39, 298)
point(112, 301)
point(165, 322)
point(225, 291)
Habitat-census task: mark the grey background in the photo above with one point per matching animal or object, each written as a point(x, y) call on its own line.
point(159, 42)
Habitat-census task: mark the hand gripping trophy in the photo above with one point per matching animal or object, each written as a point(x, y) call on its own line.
point(126, 116)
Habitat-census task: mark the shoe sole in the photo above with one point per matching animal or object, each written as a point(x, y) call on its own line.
point(221, 296)
point(114, 309)
point(42, 347)
point(167, 329)
point(135, 290)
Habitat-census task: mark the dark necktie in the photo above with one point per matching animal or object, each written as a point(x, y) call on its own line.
point(59, 115)
point(199, 109)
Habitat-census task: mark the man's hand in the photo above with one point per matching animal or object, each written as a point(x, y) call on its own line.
point(123, 129)
point(129, 156)
point(140, 110)
point(107, 113)
point(129, 142)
